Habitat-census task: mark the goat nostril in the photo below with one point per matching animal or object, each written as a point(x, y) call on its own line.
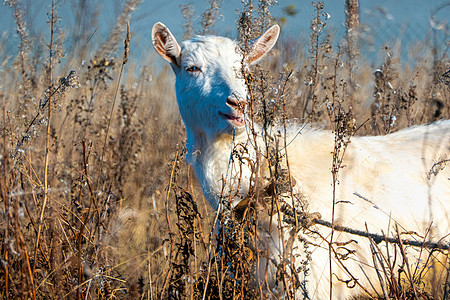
point(233, 102)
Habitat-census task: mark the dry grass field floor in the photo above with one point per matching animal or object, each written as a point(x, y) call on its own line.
point(97, 201)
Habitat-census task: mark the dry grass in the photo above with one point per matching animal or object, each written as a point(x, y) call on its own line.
point(98, 201)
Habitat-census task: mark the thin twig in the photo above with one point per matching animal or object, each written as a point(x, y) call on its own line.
point(172, 173)
point(124, 61)
point(378, 238)
point(47, 140)
point(5, 201)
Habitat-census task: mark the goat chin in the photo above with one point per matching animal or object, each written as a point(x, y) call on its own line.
point(387, 184)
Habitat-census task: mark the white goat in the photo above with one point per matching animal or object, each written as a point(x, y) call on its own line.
point(386, 179)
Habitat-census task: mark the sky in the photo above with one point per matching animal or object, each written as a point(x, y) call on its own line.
point(384, 20)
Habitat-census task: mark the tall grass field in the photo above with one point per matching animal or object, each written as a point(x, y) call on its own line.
point(97, 201)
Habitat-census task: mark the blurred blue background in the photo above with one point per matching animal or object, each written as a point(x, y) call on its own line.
point(383, 21)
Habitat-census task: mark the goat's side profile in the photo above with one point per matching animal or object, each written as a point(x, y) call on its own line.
point(388, 181)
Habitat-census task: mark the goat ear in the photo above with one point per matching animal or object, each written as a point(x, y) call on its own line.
point(263, 44)
point(165, 44)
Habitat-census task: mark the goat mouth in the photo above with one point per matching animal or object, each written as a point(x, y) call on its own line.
point(235, 120)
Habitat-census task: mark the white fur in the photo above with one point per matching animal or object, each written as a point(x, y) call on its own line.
point(391, 171)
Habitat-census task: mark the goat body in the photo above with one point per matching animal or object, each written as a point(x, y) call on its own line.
point(398, 179)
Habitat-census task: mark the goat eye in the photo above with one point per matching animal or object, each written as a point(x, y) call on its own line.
point(193, 69)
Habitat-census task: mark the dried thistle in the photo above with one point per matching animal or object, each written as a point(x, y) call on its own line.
point(126, 45)
point(188, 12)
point(54, 92)
point(385, 108)
point(111, 44)
point(319, 48)
point(210, 15)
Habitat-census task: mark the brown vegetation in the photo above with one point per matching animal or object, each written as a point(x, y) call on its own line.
point(97, 199)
